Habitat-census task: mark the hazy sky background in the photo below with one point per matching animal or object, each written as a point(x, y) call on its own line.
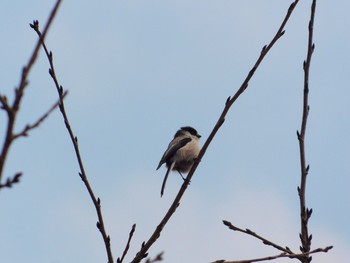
point(136, 71)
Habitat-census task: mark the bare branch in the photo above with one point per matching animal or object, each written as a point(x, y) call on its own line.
point(282, 255)
point(159, 257)
point(5, 106)
point(264, 240)
point(305, 213)
point(13, 109)
point(120, 260)
point(96, 201)
point(142, 253)
point(36, 124)
point(10, 181)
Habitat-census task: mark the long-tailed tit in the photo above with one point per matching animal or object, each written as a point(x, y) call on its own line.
point(181, 152)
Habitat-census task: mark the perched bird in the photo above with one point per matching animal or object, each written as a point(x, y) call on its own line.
point(181, 153)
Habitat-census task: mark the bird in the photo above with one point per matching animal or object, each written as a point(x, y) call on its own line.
point(181, 153)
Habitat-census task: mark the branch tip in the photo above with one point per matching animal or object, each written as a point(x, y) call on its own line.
point(10, 181)
point(309, 213)
point(291, 7)
point(328, 248)
point(35, 25)
point(288, 249)
point(310, 238)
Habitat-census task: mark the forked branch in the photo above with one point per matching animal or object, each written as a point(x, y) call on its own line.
point(305, 213)
point(12, 109)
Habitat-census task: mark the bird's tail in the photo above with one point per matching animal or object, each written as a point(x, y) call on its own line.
point(166, 177)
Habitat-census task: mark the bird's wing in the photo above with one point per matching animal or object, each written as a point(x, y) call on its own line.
point(173, 147)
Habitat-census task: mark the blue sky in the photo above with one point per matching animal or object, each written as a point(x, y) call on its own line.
point(136, 71)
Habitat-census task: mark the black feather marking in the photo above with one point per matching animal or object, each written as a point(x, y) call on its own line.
point(191, 130)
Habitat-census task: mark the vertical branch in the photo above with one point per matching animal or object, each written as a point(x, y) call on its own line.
point(305, 212)
point(96, 201)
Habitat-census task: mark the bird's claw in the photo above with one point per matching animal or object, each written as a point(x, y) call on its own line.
point(187, 181)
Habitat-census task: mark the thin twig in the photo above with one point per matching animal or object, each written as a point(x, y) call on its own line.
point(120, 260)
point(264, 240)
point(36, 124)
point(5, 106)
point(10, 181)
point(16, 178)
point(96, 201)
point(282, 255)
point(13, 109)
point(146, 245)
point(305, 213)
point(159, 257)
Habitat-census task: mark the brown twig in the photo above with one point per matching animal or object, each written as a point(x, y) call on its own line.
point(146, 245)
point(282, 255)
point(264, 240)
point(159, 257)
point(36, 124)
point(13, 109)
point(305, 213)
point(10, 181)
point(16, 178)
point(120, 260)
point(96, 201)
